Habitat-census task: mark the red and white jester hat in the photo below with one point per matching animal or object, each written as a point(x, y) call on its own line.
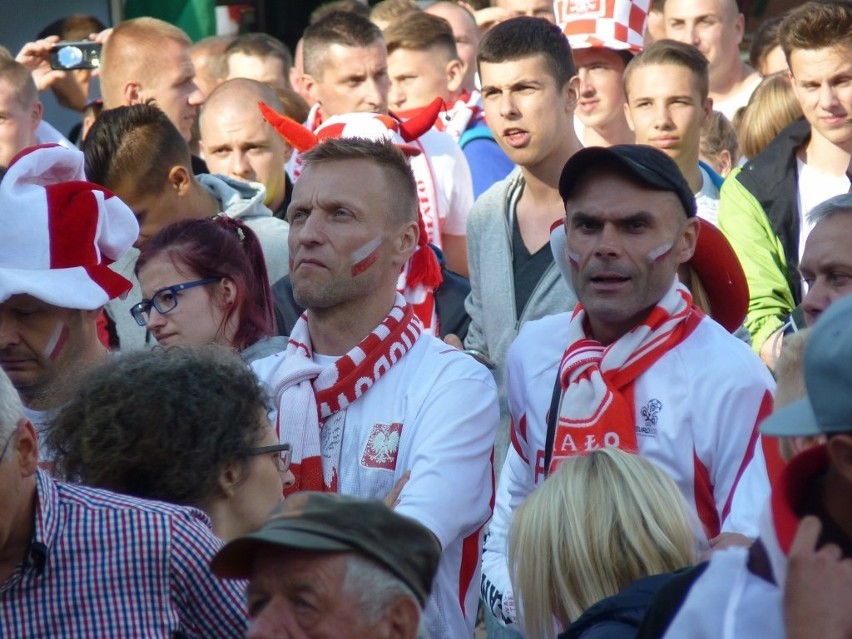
point(611, 24)
point(60, 232)
point(424, 268)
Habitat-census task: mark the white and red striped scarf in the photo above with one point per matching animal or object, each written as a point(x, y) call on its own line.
point(596, 408)
point(779, 521)
point(312, 400)
point(455, 120)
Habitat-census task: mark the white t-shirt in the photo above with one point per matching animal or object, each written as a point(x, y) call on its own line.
point(444, 170)
point(815, 187)
point(434, 413)
point(702, 402)
point(732, 104)
point(707, 199)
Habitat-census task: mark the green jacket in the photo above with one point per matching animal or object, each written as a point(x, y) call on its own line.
point(748, 229)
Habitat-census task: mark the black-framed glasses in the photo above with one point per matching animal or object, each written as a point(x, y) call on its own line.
point(282, 460)
point(165, 300)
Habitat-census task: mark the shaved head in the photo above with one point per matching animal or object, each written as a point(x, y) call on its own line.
point(238, 142)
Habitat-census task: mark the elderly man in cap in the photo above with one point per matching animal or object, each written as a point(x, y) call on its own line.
point(60, 233)
point(798, 573)
point(330, 565)
point(636, 365)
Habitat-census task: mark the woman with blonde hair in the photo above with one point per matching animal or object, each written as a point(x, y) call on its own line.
point(772, 107)
point(599, 523)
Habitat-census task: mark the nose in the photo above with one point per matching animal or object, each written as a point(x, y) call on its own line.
point(587, 87)
point(376, 94)
point(240, 167)
point(156, 320)
point(816, 300)
point(288, 478)
point(827, 96)
point(608, 245)
point(9, 334)
point(662, 117)
point(396, 96)
point(196, 96)
point(507, 105)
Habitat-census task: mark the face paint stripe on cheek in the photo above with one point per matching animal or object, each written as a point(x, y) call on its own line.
point(366, 256)
point(660, 252)
point(573, 257)
point(56, 344)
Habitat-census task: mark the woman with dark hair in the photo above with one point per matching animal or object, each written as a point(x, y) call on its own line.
point(182, 425)
point(205, 281)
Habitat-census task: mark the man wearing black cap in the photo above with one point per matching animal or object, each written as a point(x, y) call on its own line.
point(795, 581)
point(330, 565)
point(636, 365)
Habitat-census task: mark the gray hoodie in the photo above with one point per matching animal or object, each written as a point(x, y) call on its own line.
point(491, 303)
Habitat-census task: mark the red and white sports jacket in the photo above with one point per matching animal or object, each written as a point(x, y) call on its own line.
point(696, 409)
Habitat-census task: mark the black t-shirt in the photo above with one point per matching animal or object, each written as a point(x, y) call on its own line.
point(527, 268)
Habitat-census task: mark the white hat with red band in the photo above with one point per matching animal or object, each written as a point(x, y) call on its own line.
point(60, 232)
point(611, 24)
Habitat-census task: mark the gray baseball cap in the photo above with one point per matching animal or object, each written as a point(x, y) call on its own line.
point(828, 380)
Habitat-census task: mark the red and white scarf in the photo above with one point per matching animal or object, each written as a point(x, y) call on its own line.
point(596, 408)
point(779, 521)
point(312, 399)
point(464, 112)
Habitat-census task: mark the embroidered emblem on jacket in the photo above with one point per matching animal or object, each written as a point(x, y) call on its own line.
point(382, 447)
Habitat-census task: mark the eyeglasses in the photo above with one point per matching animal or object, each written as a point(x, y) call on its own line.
point(282, 460)
point(165, 300)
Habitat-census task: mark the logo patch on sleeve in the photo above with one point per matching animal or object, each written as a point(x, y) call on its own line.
point(382, 447)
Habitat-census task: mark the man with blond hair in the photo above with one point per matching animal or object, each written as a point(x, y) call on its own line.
point(148, 59)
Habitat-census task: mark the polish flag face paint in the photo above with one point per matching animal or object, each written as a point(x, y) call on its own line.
point(56, 344)
point(366, 256)
point(573, 257)
point(660, 252)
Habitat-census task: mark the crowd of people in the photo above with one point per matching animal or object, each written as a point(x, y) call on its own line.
point(521, 320)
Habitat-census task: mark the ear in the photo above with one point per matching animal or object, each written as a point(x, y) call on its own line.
point(26, 447)
point(688, 239)
point(401, 621)
point(571, 92)
point(840, 453)
point(455, 75)
point(180, 180)
point(228, 290)
point(739, 23)
point(311, 87)
point(229, 479)
point(37, 112)
point(405, 242)
point(707, 108)
point(288, 153)
point(132, 94)
point(726, 162)
point(627, 117)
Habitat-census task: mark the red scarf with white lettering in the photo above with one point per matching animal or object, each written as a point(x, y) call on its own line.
point(597, 380)
point(312, 399)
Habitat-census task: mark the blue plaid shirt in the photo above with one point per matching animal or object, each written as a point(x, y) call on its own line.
point(106, 565)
